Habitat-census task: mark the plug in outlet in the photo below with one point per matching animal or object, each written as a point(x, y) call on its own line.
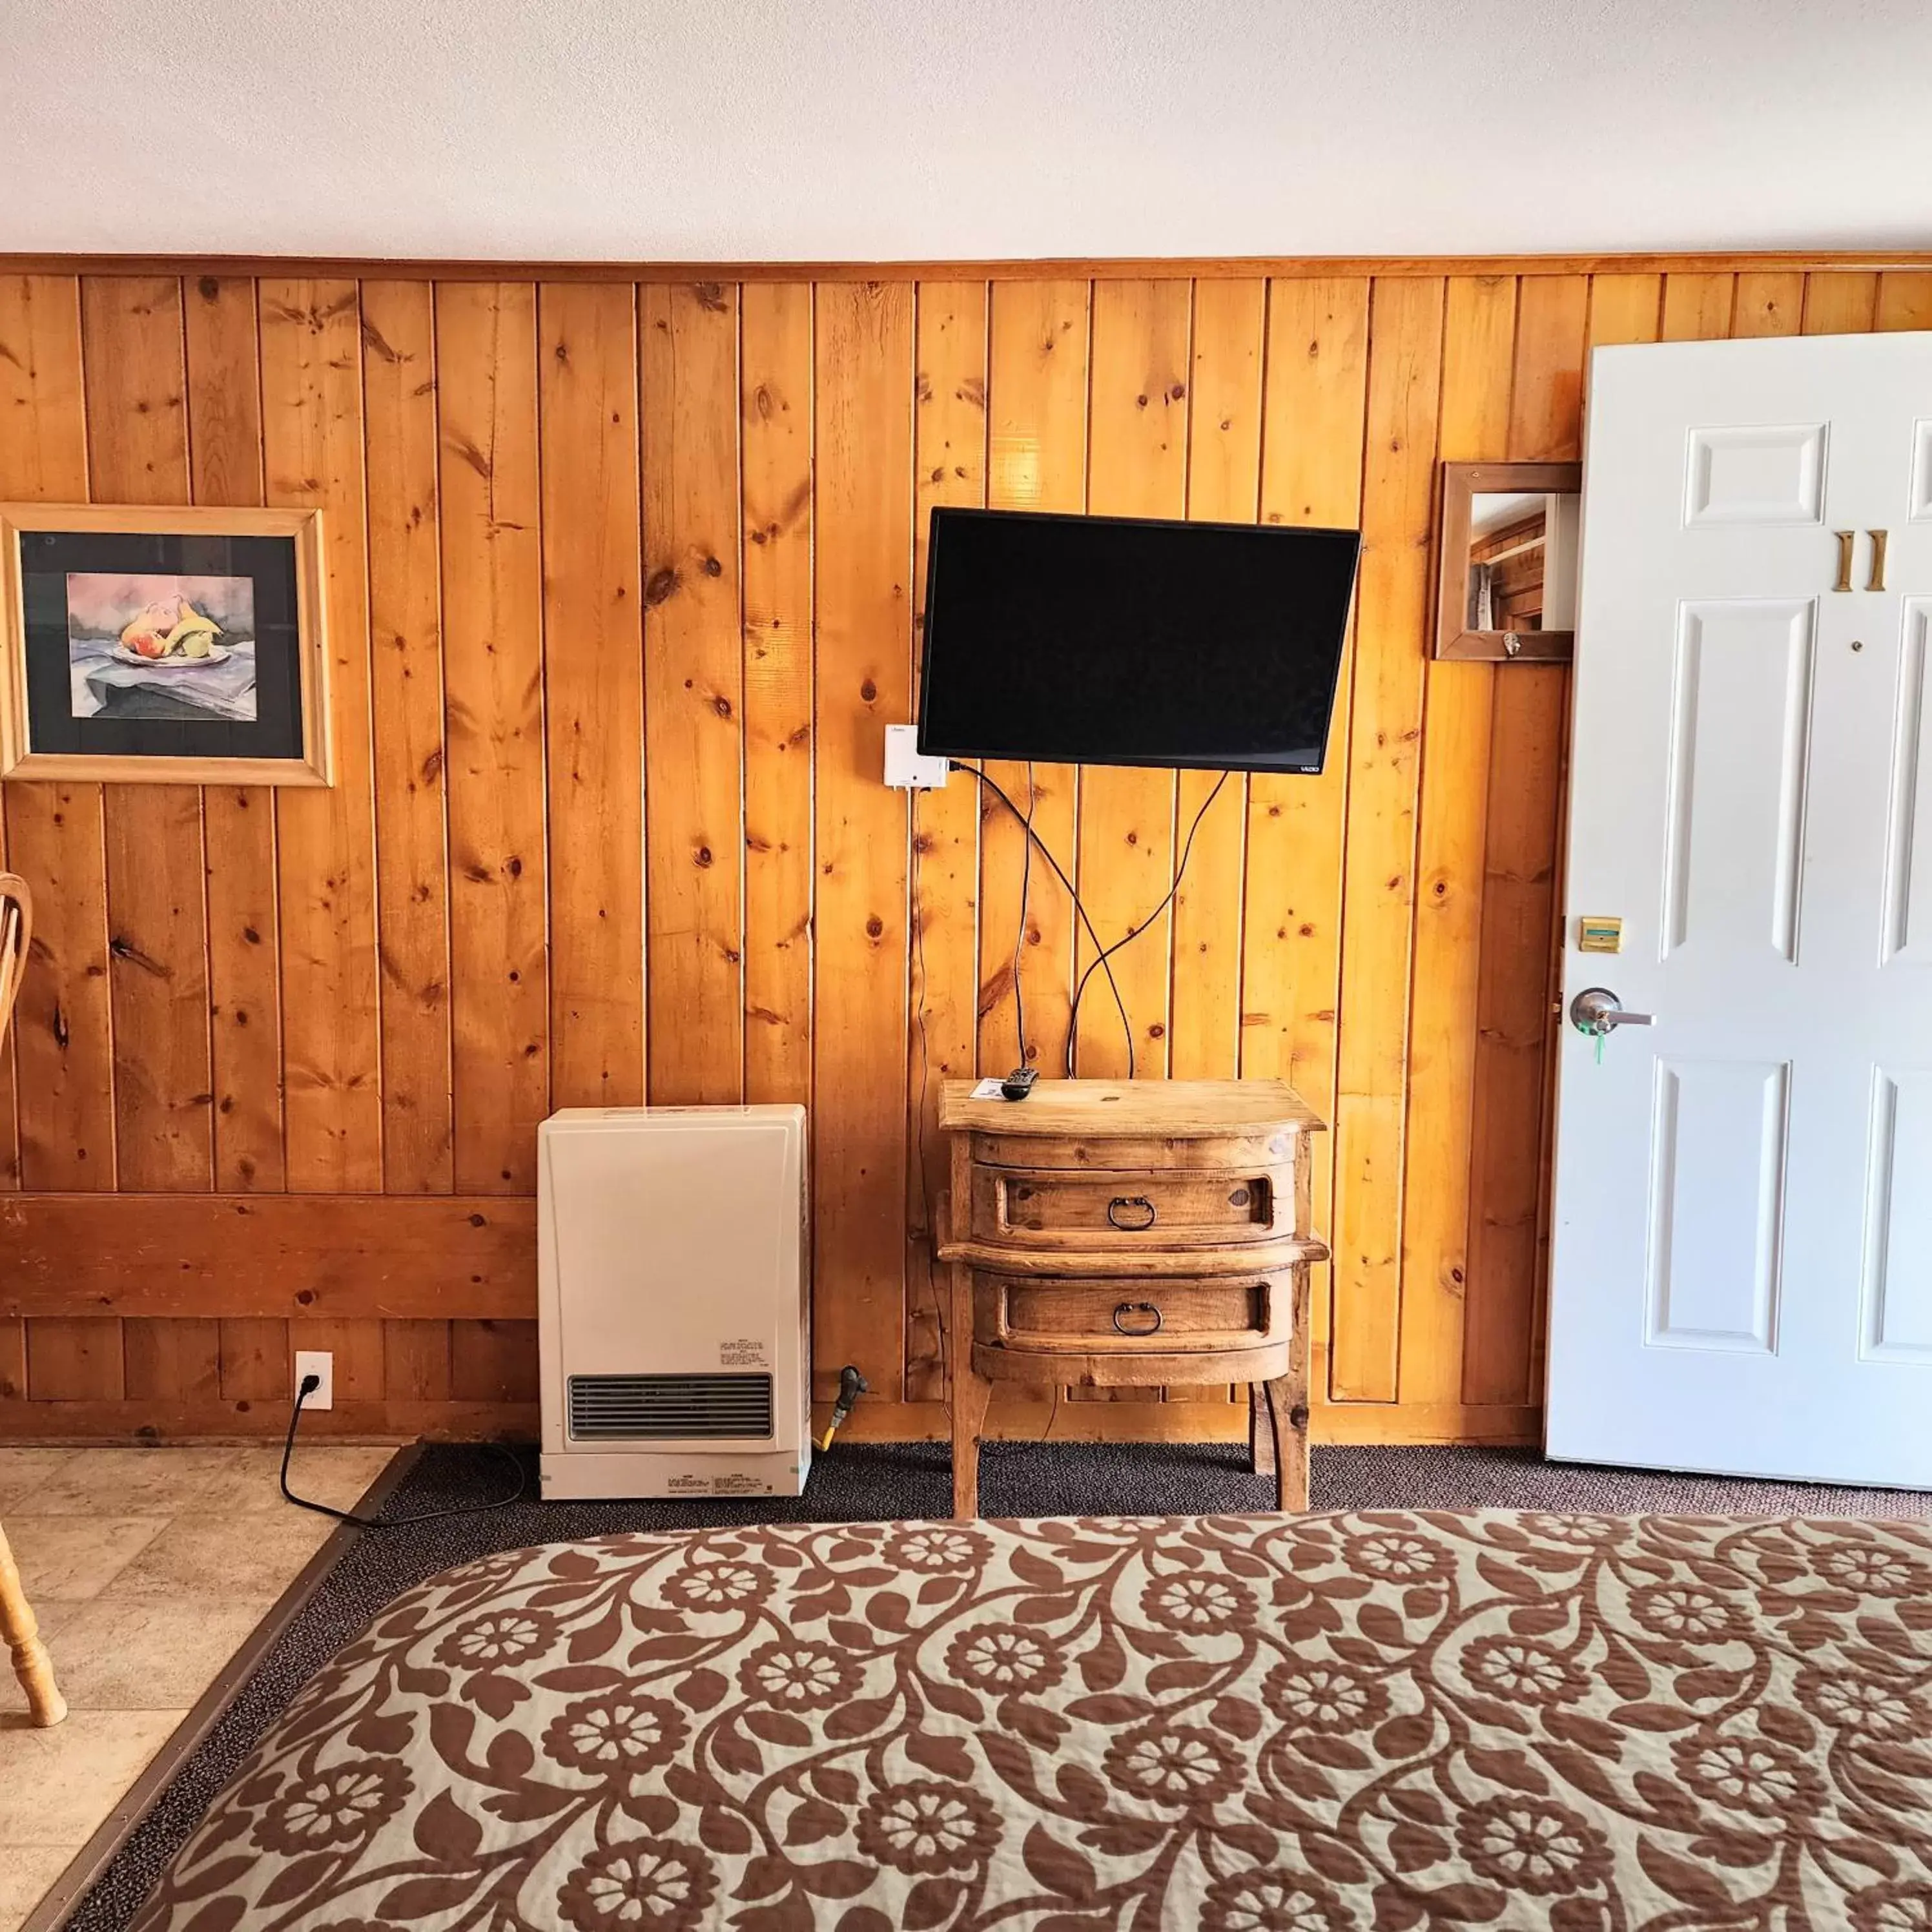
point(319, 1362)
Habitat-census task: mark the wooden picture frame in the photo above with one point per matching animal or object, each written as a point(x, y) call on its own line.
point(80, 702)
point(1455, 638)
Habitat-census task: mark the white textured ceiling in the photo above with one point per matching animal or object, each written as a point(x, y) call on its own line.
point(749, 130)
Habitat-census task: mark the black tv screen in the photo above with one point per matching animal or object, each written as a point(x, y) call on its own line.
point(1117, 640)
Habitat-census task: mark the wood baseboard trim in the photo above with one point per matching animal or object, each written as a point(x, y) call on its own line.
point(94, 1423)
point(1015, 1417)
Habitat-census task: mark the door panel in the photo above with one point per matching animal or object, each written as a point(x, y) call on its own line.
point(1898, 1236)
point(1752, 475)
point(1742, 707)
point(1908, 868)
point(1717, 1221)
point(1742, 1243)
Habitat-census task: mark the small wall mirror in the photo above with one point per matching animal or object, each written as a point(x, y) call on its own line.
point(1508, 585)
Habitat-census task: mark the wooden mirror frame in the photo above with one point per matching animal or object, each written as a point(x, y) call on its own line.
point(1461, 482)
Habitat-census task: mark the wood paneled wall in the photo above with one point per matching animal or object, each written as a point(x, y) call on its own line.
point(623, 586)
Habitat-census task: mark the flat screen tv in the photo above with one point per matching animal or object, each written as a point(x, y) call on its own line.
point(1119, 641)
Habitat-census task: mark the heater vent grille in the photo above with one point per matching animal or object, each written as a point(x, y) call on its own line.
point(656, 1408)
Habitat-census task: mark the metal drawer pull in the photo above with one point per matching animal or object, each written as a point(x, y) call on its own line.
point(1138, 1204)
point(1136, 1308)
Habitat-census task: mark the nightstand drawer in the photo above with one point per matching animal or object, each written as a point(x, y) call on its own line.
point(1170, 1314)
point(1045, 1207)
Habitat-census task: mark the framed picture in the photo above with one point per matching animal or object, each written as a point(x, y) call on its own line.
point(162, 646)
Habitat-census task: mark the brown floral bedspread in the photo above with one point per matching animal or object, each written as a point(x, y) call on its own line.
point(1243, 1724)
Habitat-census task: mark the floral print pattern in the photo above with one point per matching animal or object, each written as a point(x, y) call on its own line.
point(625, 1731)
point(1394, 1721)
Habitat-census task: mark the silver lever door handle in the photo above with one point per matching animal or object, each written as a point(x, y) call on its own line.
point(1596, 1010)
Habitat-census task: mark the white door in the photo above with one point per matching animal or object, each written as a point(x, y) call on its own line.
point(1741, 1274)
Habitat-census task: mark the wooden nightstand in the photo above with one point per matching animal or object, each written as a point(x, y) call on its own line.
point(1130, 1234)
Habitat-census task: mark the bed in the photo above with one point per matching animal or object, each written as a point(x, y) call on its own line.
point(1263, 1724)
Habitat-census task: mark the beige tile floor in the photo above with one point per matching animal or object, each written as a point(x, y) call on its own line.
point(147, 1568)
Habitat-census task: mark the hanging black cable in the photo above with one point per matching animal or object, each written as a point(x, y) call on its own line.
point(1059, 872)
point(1019, 937)
point(1080, 987)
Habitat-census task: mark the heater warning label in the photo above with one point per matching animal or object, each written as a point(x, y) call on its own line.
point(744, 1351)
point(688, 1486)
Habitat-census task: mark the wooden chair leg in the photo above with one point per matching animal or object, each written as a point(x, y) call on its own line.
point(1261, 1431)
point(969, 1394)
point(31, 1664)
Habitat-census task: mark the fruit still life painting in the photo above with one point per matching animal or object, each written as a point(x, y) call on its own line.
point(159, 647)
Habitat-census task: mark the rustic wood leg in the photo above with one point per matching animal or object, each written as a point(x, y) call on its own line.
point(969, 1392)
point(1287, 1400)
point(31, 1664)
point(1290, 1404)
point(1261, 1431)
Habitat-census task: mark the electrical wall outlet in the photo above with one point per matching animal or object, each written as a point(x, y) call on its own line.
point(907, 768)
point(317, 1362)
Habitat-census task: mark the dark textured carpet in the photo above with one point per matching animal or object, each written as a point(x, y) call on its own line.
point(881, 1482)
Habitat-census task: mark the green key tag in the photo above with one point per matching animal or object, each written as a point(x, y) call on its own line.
point(1600, 1047)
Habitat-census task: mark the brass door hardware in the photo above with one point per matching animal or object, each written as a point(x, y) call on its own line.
point(1877, 580)
point(1846, 540)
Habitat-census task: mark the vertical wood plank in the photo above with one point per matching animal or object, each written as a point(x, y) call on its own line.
point(775, 406)
point(694, 692)
point(1904, 300)
point(493, 671)
point(864, 383)
point(1398, 508)
point(416, 1361)
point(948, 467)
point(1137, 436)
point(1625, 308)
point(224, 411)
point(1768, 304)
point(1224, 458)
point(1036, 460)
point(62, 1035)
point(1839, 302)
point(1224, 453)
point(1479, 341)
point(257, 1363)
point(399, 384)
point(1314, 390)
point(594, 700)
point(1520, 909)
point(1696, 307)
point(157, 928)
point(171, 1359)
point(77, 1360)
point(312, 435)
point(14, 1360)
point(492, 1361)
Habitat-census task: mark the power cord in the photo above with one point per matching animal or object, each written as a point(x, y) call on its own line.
point(1019, 937)
point(1180, 872)
point(1059, 872)
point(307, 1387)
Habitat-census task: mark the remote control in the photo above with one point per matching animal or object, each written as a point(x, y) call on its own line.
point(1018, 1084)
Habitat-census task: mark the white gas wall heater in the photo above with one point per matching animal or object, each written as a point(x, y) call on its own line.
point(673, 1311)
